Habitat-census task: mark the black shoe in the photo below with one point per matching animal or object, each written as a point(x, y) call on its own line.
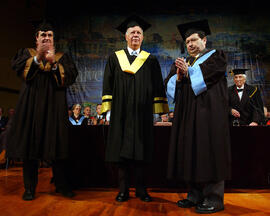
point(185, 203)
point(122, 197)
point(144, 196)
point(65, 193)
point(28, 195)
point(207, 209)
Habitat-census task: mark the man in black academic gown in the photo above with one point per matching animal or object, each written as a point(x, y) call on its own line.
point(199, 152)
point(245, 102)
point(39, 128)
point(133, 90)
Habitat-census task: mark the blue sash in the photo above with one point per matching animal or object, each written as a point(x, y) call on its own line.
point(171, 87)
point(76, 123)
point(195, 73)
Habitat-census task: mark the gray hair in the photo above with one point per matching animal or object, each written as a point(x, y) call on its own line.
point(132, 27)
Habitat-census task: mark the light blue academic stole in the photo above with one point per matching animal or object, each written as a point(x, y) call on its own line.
point(196, 77)
point(76, 123)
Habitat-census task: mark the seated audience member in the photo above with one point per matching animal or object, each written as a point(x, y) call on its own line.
point(164, 120)
point(245, 102)
point(88, 119)
point(156, 118)
point(267, 120)
point(99, 119)
point(70, 111)
point(107, 117)
point(3, 120)
point(171, 116)
point(11, 112)
point(76, 118)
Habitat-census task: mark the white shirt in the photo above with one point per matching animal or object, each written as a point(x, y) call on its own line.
point(240, 94)
point(131, 50)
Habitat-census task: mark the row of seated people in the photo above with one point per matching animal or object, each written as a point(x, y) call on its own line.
point(76, 117)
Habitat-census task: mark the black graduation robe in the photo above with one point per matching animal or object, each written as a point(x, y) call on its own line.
point(132, 99)
point(250, 106)
point(39, 128)
point(199, 148)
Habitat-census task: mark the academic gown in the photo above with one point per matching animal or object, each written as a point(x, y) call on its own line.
point(132, 99)
point(250, 106)
point(199, 148)
point(39, 128)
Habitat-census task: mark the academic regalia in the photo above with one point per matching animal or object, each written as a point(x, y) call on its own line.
point(132, 99)
point(80, 120)
point(200, 142)
point(250, 106)
point(39, 126)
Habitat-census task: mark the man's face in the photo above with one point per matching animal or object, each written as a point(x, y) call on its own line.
point(77, 110)
point(11, 112)
point(45, 37)
point(87, 111)
point(239, 80)
point(164, 118)
point(195, 44)
point(171, 115)
point(98, 110)
point(134, 37)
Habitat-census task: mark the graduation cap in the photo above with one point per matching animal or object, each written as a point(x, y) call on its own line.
point(132, 21)
point(238, 71)
point(43, 25)
point(190, 28)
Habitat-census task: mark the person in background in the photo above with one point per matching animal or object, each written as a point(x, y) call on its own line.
point(3, 120)
point(171, 116)
point(99, 119)
point(88, 119)
point(39, 127)
point(76, 118)
point(245, 102)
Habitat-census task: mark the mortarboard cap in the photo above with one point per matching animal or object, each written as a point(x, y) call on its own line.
point(238, 71)
point(132, 21)
point(194, 27)
point(42, 25)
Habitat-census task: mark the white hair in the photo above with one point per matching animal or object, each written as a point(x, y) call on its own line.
point(244, 75)
point(132, 27)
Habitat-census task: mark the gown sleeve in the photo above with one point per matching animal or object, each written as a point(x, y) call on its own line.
point(66, 72)
point(24, 65)
point(108, 81)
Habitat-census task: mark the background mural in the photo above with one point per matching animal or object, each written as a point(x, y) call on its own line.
point(92, 38)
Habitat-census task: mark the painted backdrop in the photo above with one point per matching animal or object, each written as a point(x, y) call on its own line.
point(91, 39)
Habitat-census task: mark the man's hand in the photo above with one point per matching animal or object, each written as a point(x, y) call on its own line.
point(235, 113)
point(182, 65)
point(50, 55)
point(45, 51)
point(253, 124)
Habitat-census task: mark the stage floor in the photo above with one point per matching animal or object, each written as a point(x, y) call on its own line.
point(100, 201)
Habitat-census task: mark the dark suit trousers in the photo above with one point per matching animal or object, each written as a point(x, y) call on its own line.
point(124, 172)
point(209, 193)
point(30, 174)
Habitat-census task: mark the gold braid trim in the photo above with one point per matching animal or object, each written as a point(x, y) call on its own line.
point(106, 103)
point(27, 67)
point(160, 105)
point(253, 92)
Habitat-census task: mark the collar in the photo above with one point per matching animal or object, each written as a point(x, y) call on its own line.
point(242, 87)
point(131, 50)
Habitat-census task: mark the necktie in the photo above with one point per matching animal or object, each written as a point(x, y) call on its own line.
point(240, 90)
point(134, 53)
